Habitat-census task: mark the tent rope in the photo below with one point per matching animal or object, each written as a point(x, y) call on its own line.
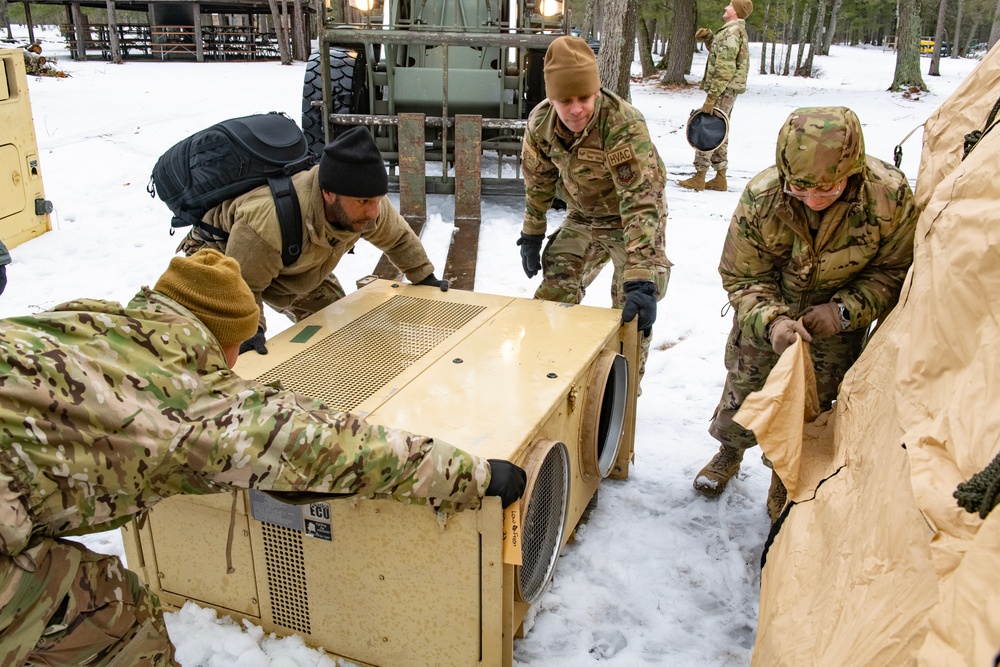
point(974, 137)
point(982, 492)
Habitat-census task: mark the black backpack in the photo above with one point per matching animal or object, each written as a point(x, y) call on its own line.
point(229, 159)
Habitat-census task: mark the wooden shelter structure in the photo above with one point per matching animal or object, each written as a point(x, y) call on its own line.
point(187, 29)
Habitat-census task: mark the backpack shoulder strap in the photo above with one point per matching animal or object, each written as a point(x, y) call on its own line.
point(286, 203)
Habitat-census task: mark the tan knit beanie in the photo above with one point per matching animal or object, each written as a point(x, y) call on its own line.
point(743, 8)
point(570, 69)
point(210, 285)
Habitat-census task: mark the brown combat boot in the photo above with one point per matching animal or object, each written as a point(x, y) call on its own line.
point(712, 479)
point(777, 497)
point(718, 182)
point(696, 182)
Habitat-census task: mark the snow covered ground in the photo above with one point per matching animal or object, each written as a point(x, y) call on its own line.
point(659, 575)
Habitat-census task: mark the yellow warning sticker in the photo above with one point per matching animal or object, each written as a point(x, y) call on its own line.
point(512, 535)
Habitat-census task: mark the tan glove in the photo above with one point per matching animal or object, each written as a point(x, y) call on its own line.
point(782, 332)
point(709, 104)
point(822, 321)
point(703, 35)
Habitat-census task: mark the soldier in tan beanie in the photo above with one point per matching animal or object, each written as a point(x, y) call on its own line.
point(110, 408)
point(591, 149)
point(209, 284)
point(725, 78)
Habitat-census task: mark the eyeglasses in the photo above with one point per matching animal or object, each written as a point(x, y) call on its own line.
point(831, 192)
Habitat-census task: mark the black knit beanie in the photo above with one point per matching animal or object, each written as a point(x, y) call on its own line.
point(352, 166)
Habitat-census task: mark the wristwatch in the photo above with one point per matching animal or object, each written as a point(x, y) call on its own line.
point(845, 318)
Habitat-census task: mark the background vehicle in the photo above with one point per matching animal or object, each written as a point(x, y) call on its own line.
point(445, 59)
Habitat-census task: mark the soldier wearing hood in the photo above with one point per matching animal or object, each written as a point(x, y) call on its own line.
point(818, 247)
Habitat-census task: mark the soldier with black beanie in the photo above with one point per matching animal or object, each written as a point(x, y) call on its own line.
point(342, 200)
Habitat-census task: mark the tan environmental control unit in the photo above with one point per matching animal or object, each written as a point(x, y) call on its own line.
point(24, 211)
point(549, 386)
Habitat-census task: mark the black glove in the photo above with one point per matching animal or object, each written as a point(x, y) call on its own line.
point(506, 480)
point(434, 282)
point(531, 253)
point(640, 299)
point(3, 278)
point(255, 342)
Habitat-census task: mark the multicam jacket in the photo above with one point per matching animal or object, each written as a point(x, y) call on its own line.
point(728, 60)
point(255, 242)
point(772, 265)
point(107, 409)
point(610, 175)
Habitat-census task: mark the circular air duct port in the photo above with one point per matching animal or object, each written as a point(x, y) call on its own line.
point(546, 500)
point(603, 418)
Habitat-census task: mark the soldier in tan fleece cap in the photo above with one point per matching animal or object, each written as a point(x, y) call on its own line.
point(591, 149)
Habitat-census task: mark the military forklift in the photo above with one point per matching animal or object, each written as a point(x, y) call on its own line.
point(446, 82)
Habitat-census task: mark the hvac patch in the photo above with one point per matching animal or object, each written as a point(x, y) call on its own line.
point(624, 165)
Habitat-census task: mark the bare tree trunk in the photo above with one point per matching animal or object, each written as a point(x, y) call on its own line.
point(956, 44)
point(301, 46)
point(907, 74)
point(817, 38)
point(972, 33)
point(774, 49)
point(5, 18)
point(803, 39)
point(935, 68)
point(680, 47)
point(618, 46)
point(282, 34)
point(645, 50)
point(116, 51)
point(828, 38)
point(587, 26)
point(763, 41)
point(995, 31)
point(788, 42)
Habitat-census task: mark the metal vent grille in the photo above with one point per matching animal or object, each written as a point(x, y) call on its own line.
point(544, 522)
point(371, 350)
point(286, 577)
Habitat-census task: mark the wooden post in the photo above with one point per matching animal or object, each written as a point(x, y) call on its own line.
point(116, 52)
point(27, 19)
point(199, 41)
point(81, 35)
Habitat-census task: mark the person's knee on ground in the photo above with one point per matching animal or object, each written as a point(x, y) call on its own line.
point(97, 613)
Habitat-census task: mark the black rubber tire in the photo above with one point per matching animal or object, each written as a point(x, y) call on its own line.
point(348, 93)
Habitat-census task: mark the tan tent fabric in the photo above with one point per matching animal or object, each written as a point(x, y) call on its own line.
point(882, 567)
point(779, 415)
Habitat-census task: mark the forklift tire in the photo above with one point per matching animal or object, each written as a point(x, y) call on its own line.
point(348, 93)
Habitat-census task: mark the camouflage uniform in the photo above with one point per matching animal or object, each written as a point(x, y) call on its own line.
point(781, 257)
point(308, 284)
point(106, 410)
point(612, 180)
point(725, 78)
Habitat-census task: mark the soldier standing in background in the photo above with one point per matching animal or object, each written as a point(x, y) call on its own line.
point(725, 78)
point(107, 409)
point(591, 149)
point(818, 247)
